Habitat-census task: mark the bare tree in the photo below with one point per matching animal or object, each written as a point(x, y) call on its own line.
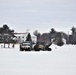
point(36, 32)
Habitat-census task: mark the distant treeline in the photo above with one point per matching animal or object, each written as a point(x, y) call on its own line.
point(57, 37)
point(7, 35)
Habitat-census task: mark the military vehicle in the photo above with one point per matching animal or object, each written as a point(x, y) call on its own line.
point(42, 46)
point(39, 46)
point(27, 46)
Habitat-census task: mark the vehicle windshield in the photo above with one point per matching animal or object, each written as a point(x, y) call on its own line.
point(25, 44)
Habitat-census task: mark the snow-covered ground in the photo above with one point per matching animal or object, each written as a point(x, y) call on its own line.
point(59, 61)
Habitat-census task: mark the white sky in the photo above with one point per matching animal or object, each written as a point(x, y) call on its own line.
point(40, 15)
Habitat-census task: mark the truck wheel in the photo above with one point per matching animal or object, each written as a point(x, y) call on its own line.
point(36, 49)
point(21, 50)
point(49, 49)
point(28, 49)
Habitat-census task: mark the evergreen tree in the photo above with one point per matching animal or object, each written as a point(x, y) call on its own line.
point(28, 37)
point(7, 34)
point(73, 30)
point(52, 30)
point(5, 26)
point(58, 39)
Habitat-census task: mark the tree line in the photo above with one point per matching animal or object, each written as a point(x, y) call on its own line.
point(7, 35)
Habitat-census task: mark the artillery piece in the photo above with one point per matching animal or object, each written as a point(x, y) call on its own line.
point(42, 46)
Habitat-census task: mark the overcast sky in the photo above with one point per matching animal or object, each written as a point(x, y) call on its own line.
point(41, 15)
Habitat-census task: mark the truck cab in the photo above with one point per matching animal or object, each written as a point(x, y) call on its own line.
point(27, 46)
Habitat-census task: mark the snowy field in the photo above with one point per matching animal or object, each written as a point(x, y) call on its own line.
point(59, 61)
